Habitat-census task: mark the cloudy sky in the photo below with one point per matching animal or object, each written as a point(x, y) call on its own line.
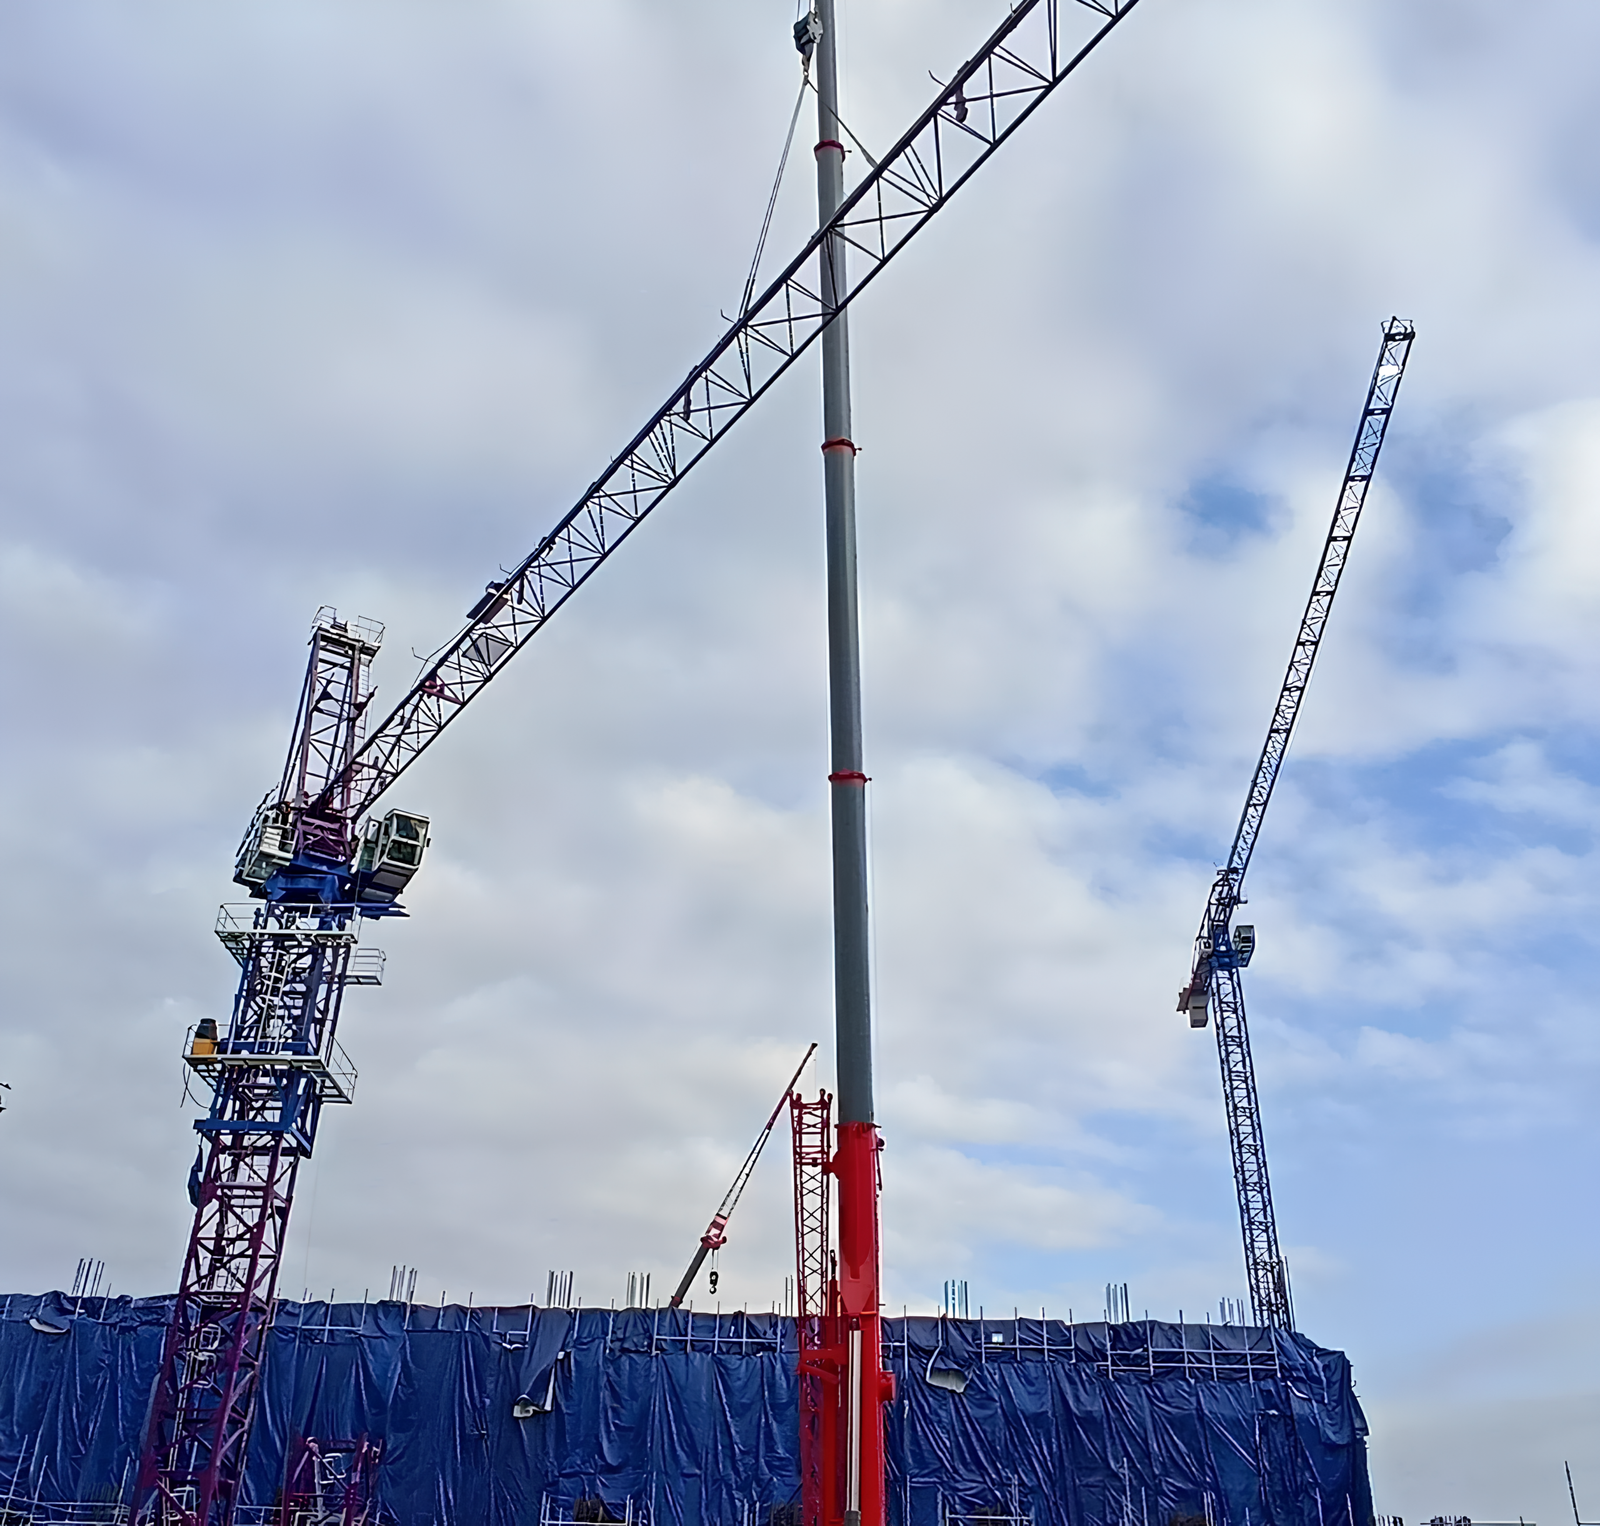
point(345, 303)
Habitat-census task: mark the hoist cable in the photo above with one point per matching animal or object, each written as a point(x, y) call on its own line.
point(772, 200)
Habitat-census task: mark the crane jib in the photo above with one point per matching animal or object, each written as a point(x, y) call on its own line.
point(987, 99)
point(1227, 891)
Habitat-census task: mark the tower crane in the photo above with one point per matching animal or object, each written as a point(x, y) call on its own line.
point(319, 864)
point(1222, 950)
point(715, 1237)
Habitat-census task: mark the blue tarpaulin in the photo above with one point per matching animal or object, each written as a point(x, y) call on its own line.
point(510, 1416)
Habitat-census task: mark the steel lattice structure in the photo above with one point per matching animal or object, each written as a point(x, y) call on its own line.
point(319, 863)
point(1220, 950)
point(989, 98)
point(815, 1297)
point(273, 1070)
point(1265, 1269)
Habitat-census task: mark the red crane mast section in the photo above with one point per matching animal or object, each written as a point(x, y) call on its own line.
point(843, 1386)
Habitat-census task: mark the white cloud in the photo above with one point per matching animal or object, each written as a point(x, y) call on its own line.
point(346, 306)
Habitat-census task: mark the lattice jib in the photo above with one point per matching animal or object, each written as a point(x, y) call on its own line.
point(987, 100)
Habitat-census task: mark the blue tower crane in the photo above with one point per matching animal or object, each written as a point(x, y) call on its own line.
point(314, 879)
point(1222, 950)
point(317, 862)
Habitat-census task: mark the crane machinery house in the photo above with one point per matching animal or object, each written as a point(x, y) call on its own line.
point(391, 852)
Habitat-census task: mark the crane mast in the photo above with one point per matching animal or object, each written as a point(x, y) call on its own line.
point(319, 864)
point(854, 1355)
point(1221, 950)
point(271, 1072)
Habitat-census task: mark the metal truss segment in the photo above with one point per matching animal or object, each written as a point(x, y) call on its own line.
point(1015, 70)
point(279, 1062)
point(1214, 979)
point(1266, 1273)
point(815, 1294)
point(328, 730)
point(276, 1067)
point(1006, 56)
point(1392, 357)
point(273, 1070)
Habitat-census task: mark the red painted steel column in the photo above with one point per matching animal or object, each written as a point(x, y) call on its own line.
point(866, 1387)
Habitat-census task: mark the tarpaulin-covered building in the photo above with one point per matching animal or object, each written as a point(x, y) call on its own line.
point(526, 1415)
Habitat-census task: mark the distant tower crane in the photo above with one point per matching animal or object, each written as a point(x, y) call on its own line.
point(320, 865)
point(1222, 950)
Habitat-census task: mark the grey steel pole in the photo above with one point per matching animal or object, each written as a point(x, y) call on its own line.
point(847, 779)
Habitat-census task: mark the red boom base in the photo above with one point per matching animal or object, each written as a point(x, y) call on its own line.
point(843, 1385)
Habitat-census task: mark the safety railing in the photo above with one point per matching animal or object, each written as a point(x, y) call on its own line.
point(330, 1065)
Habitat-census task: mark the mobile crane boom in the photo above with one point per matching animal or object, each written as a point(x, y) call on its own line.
point(1221, 950)
point(714, 1238)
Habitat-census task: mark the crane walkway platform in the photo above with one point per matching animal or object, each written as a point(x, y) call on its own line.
point(334, 1071)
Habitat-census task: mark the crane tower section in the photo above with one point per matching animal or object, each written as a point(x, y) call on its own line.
point(716, 1235)
point(1221, 949)
point(271, 1071)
